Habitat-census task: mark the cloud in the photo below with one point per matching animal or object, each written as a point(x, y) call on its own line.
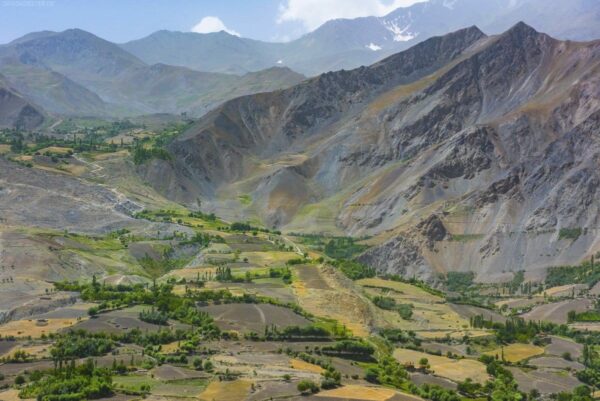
point(313, 13)
point(212, 24)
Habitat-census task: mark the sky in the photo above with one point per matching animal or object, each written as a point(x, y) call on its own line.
point(123, 20)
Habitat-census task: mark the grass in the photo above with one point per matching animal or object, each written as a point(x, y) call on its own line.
point(465, 237)
point(245, 199)
point(517, 352)
point(570, 233)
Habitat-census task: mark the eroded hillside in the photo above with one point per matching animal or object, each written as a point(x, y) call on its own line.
point(465, 152)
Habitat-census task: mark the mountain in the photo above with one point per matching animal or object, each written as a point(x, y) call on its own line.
point(16, 111)
point(77, 73)
point(349, 43)
point(464, 152)
point(214, 52)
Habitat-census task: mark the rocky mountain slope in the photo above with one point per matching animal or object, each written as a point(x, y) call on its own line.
point(15, 110)
point(464, 152)
point(77, 73)
point(350, 43)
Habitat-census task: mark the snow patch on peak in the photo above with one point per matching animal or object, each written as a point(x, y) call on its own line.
point(400, 34)
point(373, 47)
point(279, 61)
point(449, 4)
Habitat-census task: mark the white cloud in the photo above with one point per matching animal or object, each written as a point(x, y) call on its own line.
point(212, 24)
point(373, 47)
point(313, 13)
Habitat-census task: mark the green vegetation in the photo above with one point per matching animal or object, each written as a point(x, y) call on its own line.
point(404, 310)
point(570, 233)
point(307, 387)
point(142, 154)
point(459, 281)
point(354, 270)
point(587, 273)
point(334, 247)
point(343, 248)
point(154, 316)
point(71, 383)
point(465, 237)
point(80, 344)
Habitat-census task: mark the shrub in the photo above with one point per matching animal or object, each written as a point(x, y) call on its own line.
point(308, 386)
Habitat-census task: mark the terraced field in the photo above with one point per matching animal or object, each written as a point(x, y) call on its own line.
point(454, 369)
point(253, 317)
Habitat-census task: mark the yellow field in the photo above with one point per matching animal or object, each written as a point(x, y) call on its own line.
point(517, 352)
point(408, 291)
point(456, 334)
point(563, 290)
point(269, 258)
point(38, 351)
point(356, 392)
point(24, 158)
point(343, 304)
point(170, 348)
point(299, 364)
point(4, 149)
point(430, 312)
point(25, 328)
point(57, 150)
point(454, 369)
point(226, 390)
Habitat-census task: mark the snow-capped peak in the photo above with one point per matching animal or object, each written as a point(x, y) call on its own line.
point(400, 34)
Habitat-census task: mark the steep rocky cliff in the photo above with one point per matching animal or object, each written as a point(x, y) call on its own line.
point(465, 152)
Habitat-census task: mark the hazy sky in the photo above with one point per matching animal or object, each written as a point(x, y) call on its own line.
point(123, 20)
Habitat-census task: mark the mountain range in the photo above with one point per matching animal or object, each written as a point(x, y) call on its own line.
point(75, 73)
point(465, 152)
point(350, 43)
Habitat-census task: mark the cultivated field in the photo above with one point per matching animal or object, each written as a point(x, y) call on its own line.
point(557, 312)
point(454, 369)
point(357, 392)
point(34, 328)
point(516, 352)
point(226, 390)
point(253, 317)
point(432, 316)
point(323, 291)
point(565, 290)
point(544, 380)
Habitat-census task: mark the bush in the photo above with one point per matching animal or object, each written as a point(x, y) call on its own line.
point(308, 386)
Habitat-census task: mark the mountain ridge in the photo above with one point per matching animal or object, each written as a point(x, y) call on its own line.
point(382, 150)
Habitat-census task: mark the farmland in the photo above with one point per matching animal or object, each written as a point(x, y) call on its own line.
point(185, 305)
